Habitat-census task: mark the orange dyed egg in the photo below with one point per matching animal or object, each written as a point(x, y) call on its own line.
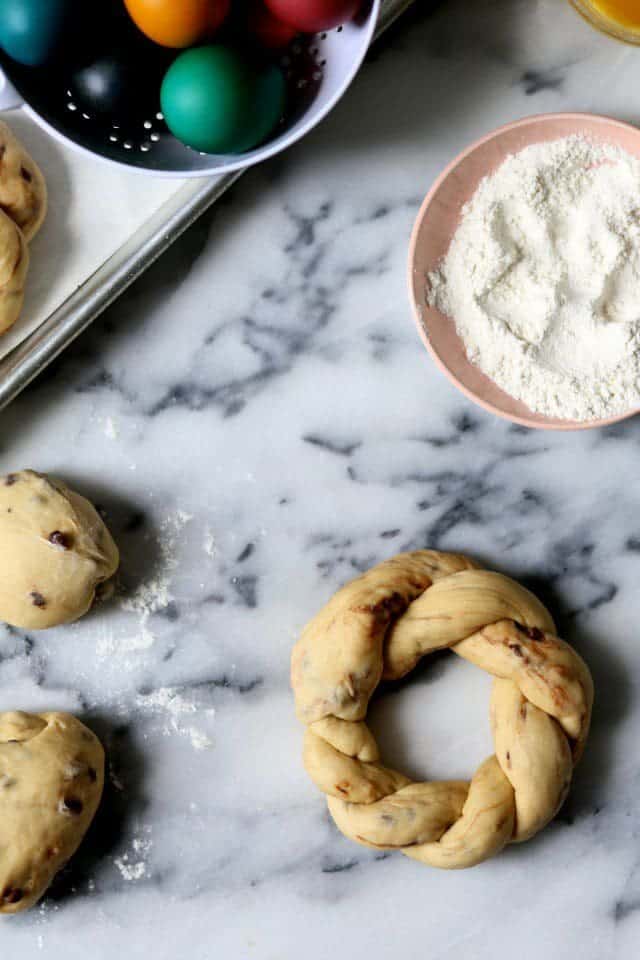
point(178, 23)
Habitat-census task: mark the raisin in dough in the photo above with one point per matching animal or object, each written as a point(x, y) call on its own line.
point(51, 779)
point(23, 191)
point(14, 263)
point(54, 551)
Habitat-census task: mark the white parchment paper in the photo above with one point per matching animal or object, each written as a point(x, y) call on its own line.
point(93, 209)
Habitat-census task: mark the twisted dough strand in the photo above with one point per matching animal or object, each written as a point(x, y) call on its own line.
point(23, 191)
point(14, 264)
point(23, 206)
point(380, 625)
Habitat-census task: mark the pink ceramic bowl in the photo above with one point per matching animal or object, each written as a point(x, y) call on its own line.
point(434, 228)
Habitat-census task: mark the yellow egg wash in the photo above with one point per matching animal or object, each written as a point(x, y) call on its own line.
point(623, 13)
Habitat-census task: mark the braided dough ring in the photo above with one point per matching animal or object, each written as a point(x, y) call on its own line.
point(378, 627)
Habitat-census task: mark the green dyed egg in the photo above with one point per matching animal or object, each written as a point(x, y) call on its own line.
point(216, 101)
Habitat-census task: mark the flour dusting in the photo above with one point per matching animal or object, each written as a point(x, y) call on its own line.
point(209, 544)
point(150, 596)
point(133, 864)
point(176, 707)
point(111, 429)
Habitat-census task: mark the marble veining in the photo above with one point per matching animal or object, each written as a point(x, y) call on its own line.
point(258, 421)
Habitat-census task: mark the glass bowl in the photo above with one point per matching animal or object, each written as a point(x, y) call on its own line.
point(606, 24)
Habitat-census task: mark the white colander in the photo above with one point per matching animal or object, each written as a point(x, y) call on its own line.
point(319, 69)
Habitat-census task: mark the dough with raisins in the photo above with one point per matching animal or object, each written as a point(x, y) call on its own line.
point(23, 191)
point(14, 264)
point(51, 779)
point(54, 552)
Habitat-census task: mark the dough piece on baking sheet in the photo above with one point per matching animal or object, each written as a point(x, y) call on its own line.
point(14, 265)
point(23, 191)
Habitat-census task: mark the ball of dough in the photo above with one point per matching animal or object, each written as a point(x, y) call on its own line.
point(51, 779)
point(14, 264)
point(23, 191)
point(54, 551)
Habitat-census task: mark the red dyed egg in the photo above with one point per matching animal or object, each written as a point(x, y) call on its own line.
point(269, 32)
point(313, 16)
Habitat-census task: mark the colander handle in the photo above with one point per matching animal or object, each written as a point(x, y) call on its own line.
point(9, 96)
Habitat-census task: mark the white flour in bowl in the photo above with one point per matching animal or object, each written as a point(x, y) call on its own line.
point(542, 278)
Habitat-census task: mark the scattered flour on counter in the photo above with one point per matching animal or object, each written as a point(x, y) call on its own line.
point(542, 278)
point(199, 739)
point(209, 544)
point(109, 644)
point(131, 871)
point(176, 707)
point(110, 429)
point(151, 595)
point(133, 864)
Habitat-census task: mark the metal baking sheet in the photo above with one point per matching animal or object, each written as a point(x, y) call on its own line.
point(19, 367)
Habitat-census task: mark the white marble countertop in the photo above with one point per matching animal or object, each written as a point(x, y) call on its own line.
point(259, 421)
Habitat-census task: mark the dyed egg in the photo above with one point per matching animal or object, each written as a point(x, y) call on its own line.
point(31, 30)
point(178, 23)
point(120, 72)
point(313, 16)
point(114, 84)
point(269, 32)
point(216, 101)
